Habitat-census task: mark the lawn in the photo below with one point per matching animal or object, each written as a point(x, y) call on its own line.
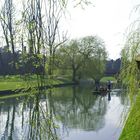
point(131, 129)
point(17, 82)
point(9, 85)
point(106, 78)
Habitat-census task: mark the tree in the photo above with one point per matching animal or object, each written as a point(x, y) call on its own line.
point(53, 37)
point(7, 23)
point(32, 18)
point(85, 57)
point(71, 58)
point(95, 61)
point(113, 67)
point(130, 73)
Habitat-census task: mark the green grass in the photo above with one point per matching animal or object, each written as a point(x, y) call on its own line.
point(131, 129)
point(12, 96)
point(17, 82)
point(13, 82)
point(11, 85)
point(105, 79)
point(17, 78)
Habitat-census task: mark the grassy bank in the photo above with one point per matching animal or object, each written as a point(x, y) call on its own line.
point(106, 78)
point(131, 129)
point(17, 82)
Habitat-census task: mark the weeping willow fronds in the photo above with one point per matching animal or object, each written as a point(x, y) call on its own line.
point(130, 72)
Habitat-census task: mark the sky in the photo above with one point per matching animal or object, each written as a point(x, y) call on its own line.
point(109, 19)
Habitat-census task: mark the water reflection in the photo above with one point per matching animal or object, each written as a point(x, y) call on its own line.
point(51, 114)
point(109, 96)
point(83, 111)
point(28, 118)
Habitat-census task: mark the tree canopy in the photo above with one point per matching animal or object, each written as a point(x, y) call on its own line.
point(85, 57)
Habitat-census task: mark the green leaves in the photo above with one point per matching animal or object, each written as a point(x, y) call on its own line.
point(130, 73)
point(85, 57)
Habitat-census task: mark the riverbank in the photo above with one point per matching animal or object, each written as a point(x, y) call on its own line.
point(18, 82)
point(131, 130)
point(108, 78)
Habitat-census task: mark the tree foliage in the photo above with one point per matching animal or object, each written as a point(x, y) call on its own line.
point(86, 57)
point(96, 57)
point(35, 42)
point(130, 72)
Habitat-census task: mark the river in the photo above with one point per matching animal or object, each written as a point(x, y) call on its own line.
point(68, 113)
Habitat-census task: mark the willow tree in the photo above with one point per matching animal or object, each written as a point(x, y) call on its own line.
point(84, 57)
point(130, 73)
point(94, 65)
point(70, 58)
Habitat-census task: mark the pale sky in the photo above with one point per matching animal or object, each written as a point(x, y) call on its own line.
point(109, 19)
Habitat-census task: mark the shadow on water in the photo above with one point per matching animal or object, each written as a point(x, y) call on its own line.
point(51, 114)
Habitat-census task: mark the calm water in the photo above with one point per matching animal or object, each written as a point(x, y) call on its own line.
point(70, 113)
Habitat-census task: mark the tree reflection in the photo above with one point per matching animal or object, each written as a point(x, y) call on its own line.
point(41, 120)
point(35, 121)
point(9, 124)
point(123, 96)
point(84, 110)
point(5, 134)
point(36, 116)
